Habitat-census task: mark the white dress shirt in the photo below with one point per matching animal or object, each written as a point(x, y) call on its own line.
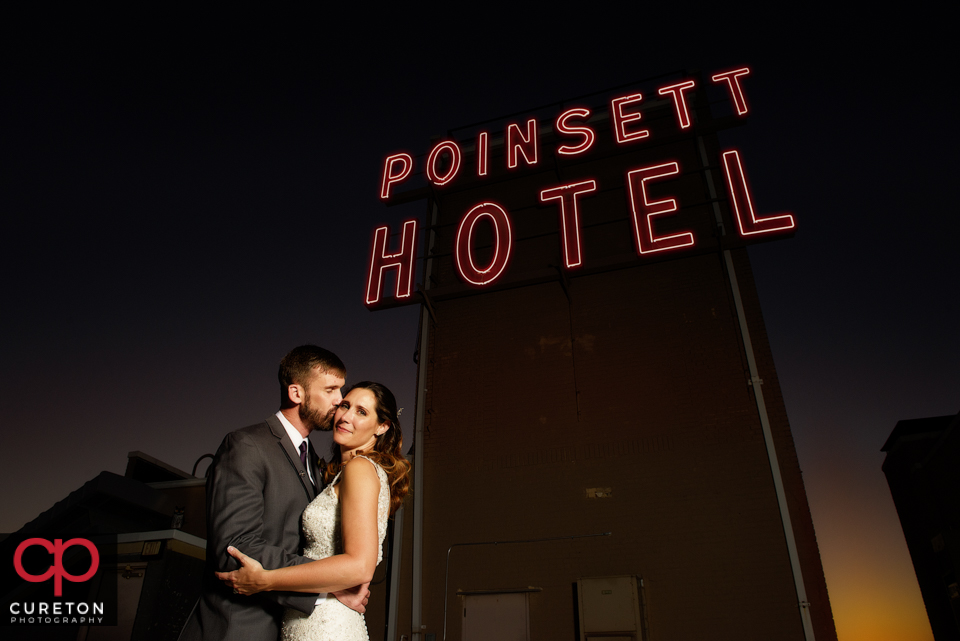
point(297, 439)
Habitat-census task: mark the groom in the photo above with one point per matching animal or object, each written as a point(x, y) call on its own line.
point(262, 478)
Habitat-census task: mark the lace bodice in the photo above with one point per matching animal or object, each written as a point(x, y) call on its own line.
point(331, 620)
point(321, 519)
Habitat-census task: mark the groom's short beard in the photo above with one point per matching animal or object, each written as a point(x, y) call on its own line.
point(314, 418)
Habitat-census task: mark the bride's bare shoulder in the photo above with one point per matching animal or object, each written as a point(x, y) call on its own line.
point(357, 472)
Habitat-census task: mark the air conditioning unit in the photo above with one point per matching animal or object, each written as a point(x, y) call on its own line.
point(611, 608)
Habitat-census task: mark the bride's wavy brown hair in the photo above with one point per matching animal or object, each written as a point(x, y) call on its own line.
point(387, 448)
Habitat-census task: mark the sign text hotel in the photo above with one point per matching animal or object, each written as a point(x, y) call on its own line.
point(444, 164)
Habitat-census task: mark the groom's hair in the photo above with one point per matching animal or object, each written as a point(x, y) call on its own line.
point(298, 366)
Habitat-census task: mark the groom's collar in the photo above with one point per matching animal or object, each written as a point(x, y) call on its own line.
point(292, 432)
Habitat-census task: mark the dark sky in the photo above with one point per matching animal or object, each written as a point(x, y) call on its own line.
point(185, 198)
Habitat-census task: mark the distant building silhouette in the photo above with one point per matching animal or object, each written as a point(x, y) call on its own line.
point(923, 471)
point(158, 515)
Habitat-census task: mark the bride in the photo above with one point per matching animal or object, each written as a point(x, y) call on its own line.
point(345, 525)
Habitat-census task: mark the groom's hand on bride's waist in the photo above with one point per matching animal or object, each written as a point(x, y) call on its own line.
point(354, 598)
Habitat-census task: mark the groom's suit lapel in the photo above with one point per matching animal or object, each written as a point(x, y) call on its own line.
point(292, 456)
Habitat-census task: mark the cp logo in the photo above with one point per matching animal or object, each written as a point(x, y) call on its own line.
point(56, 570)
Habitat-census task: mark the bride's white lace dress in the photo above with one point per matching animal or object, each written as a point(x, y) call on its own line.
point(331, 620)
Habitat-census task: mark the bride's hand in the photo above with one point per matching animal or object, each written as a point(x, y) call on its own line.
point(249, 579)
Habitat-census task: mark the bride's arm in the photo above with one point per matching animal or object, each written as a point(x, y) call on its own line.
point(359, 490)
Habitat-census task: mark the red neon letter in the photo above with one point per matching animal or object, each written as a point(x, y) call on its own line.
point(502, 244)
point(390, 177)
point(482, 146)
point(679, 100)
point(732, 78)
point(527, 143)
point(402, 261)
point(743, 211)
point(454, 150)
point(644, 211)
point(569, 217)
point(586, 132)
point(620, 120)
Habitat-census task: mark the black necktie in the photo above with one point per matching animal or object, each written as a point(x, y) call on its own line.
point(303, 459)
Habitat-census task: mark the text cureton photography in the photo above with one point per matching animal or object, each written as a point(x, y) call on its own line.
point(59, 579)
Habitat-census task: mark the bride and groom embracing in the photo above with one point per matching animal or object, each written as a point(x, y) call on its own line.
point(265, 481)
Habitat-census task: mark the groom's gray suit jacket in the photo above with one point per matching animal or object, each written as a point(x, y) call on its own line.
point(257, 488)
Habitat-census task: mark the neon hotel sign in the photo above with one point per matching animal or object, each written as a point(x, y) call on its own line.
point(444, 163)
